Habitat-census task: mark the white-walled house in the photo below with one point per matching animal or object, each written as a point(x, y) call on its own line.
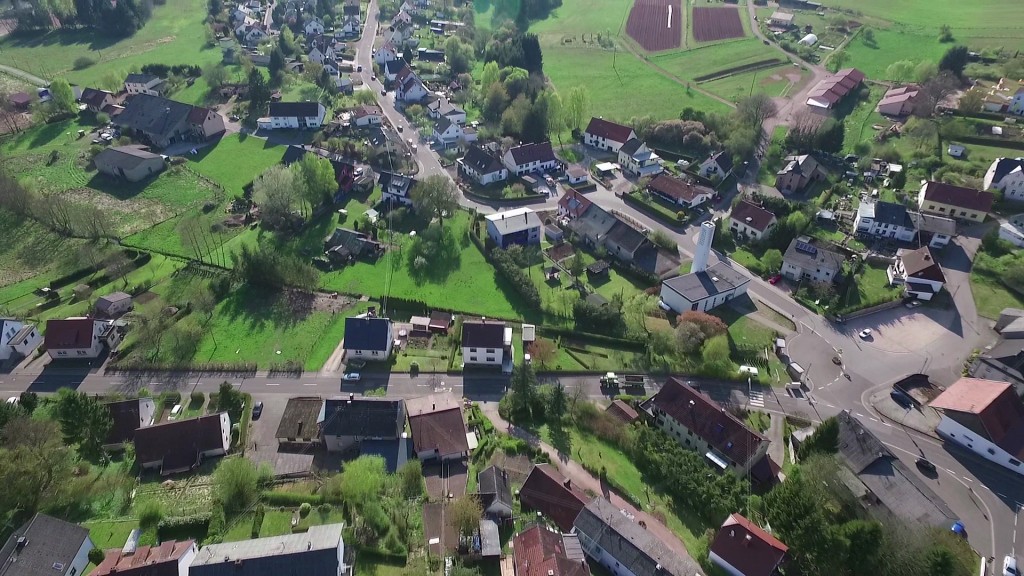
point(1013, 230)
point(918, 272)
point(18, 338)
point(718, 165)
point(743, 548)
point(639, 160)
point(527, 158)
point(80, 337)
point(606, 135)
point(519, 226)
point(318, 550)
point(46, 545)
point(385, 53)
point(396, 188)
point(750, 221)
point(368, 338)
point(1007, 176)
point(314, 27)
point(294, 115)
point(985, 417)
point(485, 342)
point(805, 260)
point(482, 166)
point(884, 220)
point(144, 84)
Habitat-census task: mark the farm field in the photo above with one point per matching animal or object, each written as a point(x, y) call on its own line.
point(175, 34)
point(656, 24)
point(892, 45)
point(978, 18)
point(775, 81)
point(717, 23)
point(708, 59)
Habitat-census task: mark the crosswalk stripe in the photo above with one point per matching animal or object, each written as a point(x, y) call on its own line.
point(757, 398)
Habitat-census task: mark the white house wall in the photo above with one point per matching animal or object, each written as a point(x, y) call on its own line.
point(953, 431)
point(81, 561)
point(481, 355)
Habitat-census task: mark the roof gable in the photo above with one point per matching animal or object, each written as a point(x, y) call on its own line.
point(483, 334)
point(480, 160)
point(69, 334)
point(528, 153)
point(748, 548)
point(363, 417)
point(676, 188)
point(49, 542)
point(958, 196)
point(367, 333)
point(178, 443)
point(752, 215)
point(608, 130)
point(295, 109)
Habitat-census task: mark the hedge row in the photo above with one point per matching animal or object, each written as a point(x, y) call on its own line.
point(599, 339)
point(995, 142)
point(528, 199)
point(291, 499)
point(766, 63)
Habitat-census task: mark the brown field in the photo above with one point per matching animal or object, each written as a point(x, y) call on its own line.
point(720, 23)
point(656, 24)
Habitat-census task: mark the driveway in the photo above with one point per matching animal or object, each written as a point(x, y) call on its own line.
point(263, 445)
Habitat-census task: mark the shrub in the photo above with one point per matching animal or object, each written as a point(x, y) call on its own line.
point(291, 498)
point(103, 118)
point(663, 240)
point(83, 62)
point(521, 283)
point(150, 513)
point(96, 556)
point(305, 509)
point(198, 397)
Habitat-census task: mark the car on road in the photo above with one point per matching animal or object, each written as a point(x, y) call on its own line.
point(234, 117)
point(775, 279)
point(400, 128)
point(359, 68)
point(351, 377)
point(383, 92)
point(257, 410)
point(865, 334)
point(925, 465)
point(1010, 566)
point(913, 304)
point(959, 529)
point(901, 399)
point(373, 77)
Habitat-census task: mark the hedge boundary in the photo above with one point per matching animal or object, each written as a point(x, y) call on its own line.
point(758, 65)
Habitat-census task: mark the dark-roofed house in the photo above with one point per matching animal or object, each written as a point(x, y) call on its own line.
point(748, 220)
point(954, 201)
point(368, 338)
point(347, 422)
point(438, 428)
point(573, 204)
point(742, 548)
point(540, 551)
point(798, 173)
point(162, 122)
point(170, 558)
point(181, 445)
point(680, 192)
point(626, 242)
point(344, 245)
point(132, 163)
point(698, 423)
point(1007, 176)
point(623, 411)
point(606, 135)
point(319, 551)
point(294, 115)
point(933, 230)
point(527, 158)
point(440, 321)
point(886, 487)
point(622, 547)
point(495, 492)
point(517, 226)
point(807, 260)
point(46, 546)
point(126, 417)
point(884, 220)
point(638, 159)
point(300, 423)
point(917, 270)
point(704, 290)
point(482, 166)
point(485, 342)
point(986, 417)
point(396, 188)
point(113, 305)
point(718, 165)
point(79, 337)
point(553, 495)
point(96, 100)
point(1003, 361)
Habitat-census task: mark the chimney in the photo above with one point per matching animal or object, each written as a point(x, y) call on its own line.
point(433, 406)
point(309, 545)
point(351, 396)
point(567, 483)
point(703, 252)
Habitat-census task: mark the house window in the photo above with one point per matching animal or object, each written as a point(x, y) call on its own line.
point(490, 358)
point(1014, 462)
point(941, 209)
point(472, 349)
point(992, 451)
point(472, 358)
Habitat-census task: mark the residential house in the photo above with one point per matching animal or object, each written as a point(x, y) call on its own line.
point(96, 100)
point(698, 423)
point(132, 163)
point(719, 165)
point(396, 188)
point(428, 55)
point(409, 88)
point(318, 551)
point(322, 52)
point(639, 160)
point(806, 260)
point(17, 338)
point(684, 193)
point(20, 100)
point(750, 221)
point(443, 108)
point(626, 243)
point(899, 101)
point(80, 337)
point(385, 53)
point(1012, 230)
point(163, 122)
point(528, 158)
point(798, 173)
point(780, 19)
point(1007, 176)
point(46, 546)
point(919, 273)
point(606, 135)
point(368, 338)
point(540, 551)
point(933, 231)
point(144, 84)
point(486, 343)
point(518, 226)
point(348, 26)
point(351, 8)
point(300, 424)
point(622, 411)
point(345, 245)
point(449, 133)
point(495, 491)
point(577, 175)
point(169, 558)
point(393, 68)
point(127, 416)
point(253, 34)
point(553, 495)
point(482, 166)
point(884, 220)
point(743, 548)
point(438, 428)
point(347, 422)
point(572, 204)
point(113, 305)
point(624, 548)
point(367, 115)
point(954, 201)
point(834, 87)
point(886, 487)
point(400, 30)
point(597, 227)
point(292, 115)
point(179, 446)
point(314, 26)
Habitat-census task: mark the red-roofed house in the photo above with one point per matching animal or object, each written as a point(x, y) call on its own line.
point(79, 337)
point(573, 204)
point(899, 101)
point(171, 558)
point(834, 88)
point(681, 192)
point(605, 135)
point(553, 495)
point(750, 220)
point(742, 548)
point(540, 551)
point(986, 417)
point(954, 201)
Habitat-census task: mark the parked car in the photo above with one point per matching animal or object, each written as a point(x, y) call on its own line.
point(959, 529)
point(257, 410)
point(359, 68)
point(901, 399)
point(1010, 566)
point(775, 279)
point(925, 465)
point(865, 334)
point(351, 377)
point(913, 304)
point(400, 128)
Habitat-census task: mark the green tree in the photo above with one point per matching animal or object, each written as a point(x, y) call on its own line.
point(558, 404)
point(9, 412)
point(495, 102)
point(317, 175)
point(523, 387)
point(277, 62)
point(576, 106)
point(436, 196)
point(864, 539)
point(689, 337)
point(275, 192)
point(955, 60)
point(715, 355)
point(28, 401)
point(62, 97)
point(555, 115)
point(945, 33)
point(824, 440)
point(465, 514)
point(837, 59)
point(801, 522)
point(900, 71)
point(215, 75)
point(235, 482)
point(490, 75)
point(362, 481)
point(84, 421)
point(230, 400)
point(96, 556)
point(411, 475)
point(286, 42)
point(35, 465)
point(771, 260)
point(971, 101)
point(259, 94)
point(925, 71)
point(940, 562)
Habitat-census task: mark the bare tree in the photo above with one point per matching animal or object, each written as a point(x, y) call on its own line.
point(933, 92)
point(755, 109)
point(56, 213)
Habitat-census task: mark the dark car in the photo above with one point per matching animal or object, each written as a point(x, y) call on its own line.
point(901, 399)
point(926, 466)
point(257, 409)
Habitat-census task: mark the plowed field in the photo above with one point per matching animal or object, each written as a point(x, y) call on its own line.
point(655, 24)
point(720, 23)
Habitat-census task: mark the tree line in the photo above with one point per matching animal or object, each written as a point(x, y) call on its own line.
point(120, 19)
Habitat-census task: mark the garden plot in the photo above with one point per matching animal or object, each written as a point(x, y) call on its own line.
point(719, 23)
point(656, 24)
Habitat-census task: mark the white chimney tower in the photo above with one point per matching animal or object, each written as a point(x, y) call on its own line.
point(700, 257)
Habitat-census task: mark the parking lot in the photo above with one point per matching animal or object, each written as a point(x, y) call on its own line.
point(901, 329)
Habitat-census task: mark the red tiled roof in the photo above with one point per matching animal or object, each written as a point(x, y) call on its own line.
point(676, 188)
point(748, 548)
point(198, 115)
point(609, 130)
point(159, 560)
point(996, 405)
point(70, 334)
point(967, 198)
point(759, 218)
point(623, 411)
point(545, 491)
point(920, 264)
point(538, 551)
point(574, 203)
point(712, 423)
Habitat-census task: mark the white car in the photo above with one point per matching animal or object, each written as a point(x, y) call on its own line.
point(865, 334)
point(351, 377)
point(1010, 566)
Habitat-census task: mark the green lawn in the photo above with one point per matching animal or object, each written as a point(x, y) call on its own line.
point(236, 161)
point(707, 59)
point(772, 81)
point(575, 18)
point(860, 116)
point(891, 45)
point(31, 249)
point(872, 287)
point(175, 34)
point(987, 21)
point(989, 292)
point(106, 534)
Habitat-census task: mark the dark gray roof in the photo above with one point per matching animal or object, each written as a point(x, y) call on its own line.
point(312, 553)
point(891, 213)
point(723, 159)
point(697, 286)
point(624, 235)
point(367, 333)
point(153, 115)
point(480, 160)
point(140, 78)
point(631, 146)
point(295, 109)
point(124, 416)
point(126, 157)
point(49, 543)
point(394, 66)
point(527, 153)
point(933, 223)
point(809, 255)
point(635, 548)
point(494, 486)
point(300, 418)
point(398, 183)
point(483, 334)
point(442, 124)
point(366, 417)
point(394, 451)
point(1006, 165)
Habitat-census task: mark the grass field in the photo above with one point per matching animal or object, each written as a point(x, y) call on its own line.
point(860, 118)
point(772, 81)
point(174, 35)
point(891, 45)
point(708, 59)
point(977, 20)
point(31, 249)
point(224, 163)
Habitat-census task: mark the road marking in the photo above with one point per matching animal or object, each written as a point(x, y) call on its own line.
point(950, 471)
point(860, 415)
point(827, 404)
point(874, 419)
point(310, 384)
point(270, 384)
point(757, 398)
point(966, 478)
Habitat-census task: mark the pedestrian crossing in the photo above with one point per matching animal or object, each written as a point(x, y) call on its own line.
point(757, 398)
